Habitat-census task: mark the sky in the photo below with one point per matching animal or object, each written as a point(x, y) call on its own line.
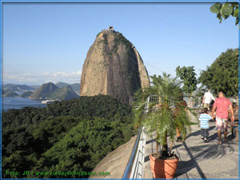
point(48, 42)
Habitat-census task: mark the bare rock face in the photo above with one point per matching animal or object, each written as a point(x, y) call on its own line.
point(115, 162)
point(113, 67)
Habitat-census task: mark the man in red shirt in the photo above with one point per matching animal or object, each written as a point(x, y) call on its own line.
point(221, 106)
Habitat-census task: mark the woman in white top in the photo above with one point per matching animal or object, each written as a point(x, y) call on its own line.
point(207, 99)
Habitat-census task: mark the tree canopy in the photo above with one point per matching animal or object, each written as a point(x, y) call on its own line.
point(225, 10)
point(222, 75)
point(68, 135)
point(188, 75)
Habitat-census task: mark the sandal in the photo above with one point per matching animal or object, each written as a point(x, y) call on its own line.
point(205, 140)
point(220, 142)
point(179, 139)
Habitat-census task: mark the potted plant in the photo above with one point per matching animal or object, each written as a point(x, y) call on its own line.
point(163, 117)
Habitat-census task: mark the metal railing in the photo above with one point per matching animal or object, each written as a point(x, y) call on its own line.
point(134, 167)
point(151, 98)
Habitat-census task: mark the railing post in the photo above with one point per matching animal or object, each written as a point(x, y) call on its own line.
point(131, 166)
point(135, 166)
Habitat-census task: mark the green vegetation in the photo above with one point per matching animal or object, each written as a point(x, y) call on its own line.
point(164, 115)
point(225, 10)
point(128, 56)
point(61, 84)
point(26, 94)
point(222, 75)
point(10, 94)
point(64, 93)
point(44, 91)
point(188, 75)
point(70, 135)
point(17, 87)
point(133, 72)
point(51, 91)
point(120, 39)
point(105, 41)
point(75, 86)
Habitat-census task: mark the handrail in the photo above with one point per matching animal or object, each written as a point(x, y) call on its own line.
point(128, 169)
point(133, 170)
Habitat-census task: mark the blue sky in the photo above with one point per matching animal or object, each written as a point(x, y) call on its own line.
point(45, 42)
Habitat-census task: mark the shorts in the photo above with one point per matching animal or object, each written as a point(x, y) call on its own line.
point(206, 105)
point(221, 123)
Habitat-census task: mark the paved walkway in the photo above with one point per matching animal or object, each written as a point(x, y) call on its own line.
point(201, 160)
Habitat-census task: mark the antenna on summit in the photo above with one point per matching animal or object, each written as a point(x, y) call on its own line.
point(111, 28)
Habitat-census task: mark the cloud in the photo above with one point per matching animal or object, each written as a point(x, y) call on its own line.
point(26, 78)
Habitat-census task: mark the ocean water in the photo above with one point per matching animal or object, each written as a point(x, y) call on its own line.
point(18, 103)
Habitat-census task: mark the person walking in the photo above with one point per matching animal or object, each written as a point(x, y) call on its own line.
point(207, 99)
point(181, 105)
point(204, 124)
point(221, 106)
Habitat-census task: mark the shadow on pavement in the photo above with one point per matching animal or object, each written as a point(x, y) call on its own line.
point(146, 159)
point(201, 153)
point(176, 146)
point(150, 141)
point(184, 167)
point(192, 163)
point(198, 133)
point(213, 137)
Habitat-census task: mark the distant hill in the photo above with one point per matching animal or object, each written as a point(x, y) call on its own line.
point(44, 92)
point(62, 84)
point(17, 87)
point(75, 86)
point(26, 94)
point(51, 91)
point(10, 94)
point(35, 86)
point(65, 93)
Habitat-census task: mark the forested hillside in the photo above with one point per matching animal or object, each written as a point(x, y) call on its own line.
point(65, 136)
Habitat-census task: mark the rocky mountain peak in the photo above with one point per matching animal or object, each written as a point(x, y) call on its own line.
point(113, 67)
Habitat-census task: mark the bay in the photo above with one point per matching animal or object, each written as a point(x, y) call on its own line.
point(19, 103)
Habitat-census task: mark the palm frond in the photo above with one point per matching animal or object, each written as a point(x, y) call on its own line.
point(167, 114)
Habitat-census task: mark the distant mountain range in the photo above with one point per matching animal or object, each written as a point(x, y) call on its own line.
point(10, 94)
point(18, 88)
point(65, 93)
point(75, 86)
point(60, 91)
point(44, 92)
point(51, 91)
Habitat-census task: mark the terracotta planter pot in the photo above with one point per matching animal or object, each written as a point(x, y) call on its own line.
point(163, 168)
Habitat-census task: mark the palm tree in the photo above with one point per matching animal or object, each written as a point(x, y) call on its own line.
point(166, 114)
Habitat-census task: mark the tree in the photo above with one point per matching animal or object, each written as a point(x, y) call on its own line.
point(222, 75)
point(225, 10)
point(188, 75)
point(68, 135)
point(161, 117)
